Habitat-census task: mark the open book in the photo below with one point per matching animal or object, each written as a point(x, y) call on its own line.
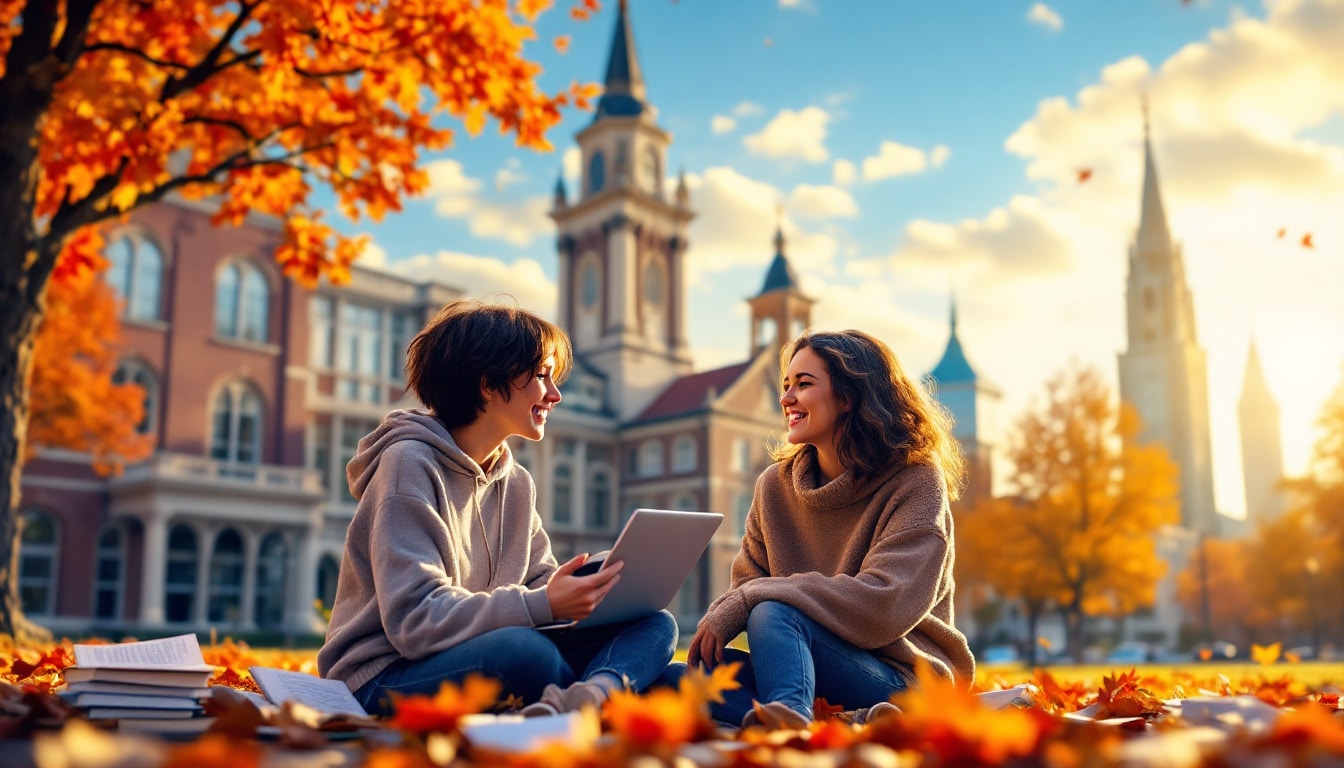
point(328, 697)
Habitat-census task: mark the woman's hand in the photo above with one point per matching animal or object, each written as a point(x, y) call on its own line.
point(574, 597)
point(706, 648)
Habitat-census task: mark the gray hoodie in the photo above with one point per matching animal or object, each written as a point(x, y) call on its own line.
point(439, 551)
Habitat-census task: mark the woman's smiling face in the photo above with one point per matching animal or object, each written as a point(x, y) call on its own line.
point(810, 407)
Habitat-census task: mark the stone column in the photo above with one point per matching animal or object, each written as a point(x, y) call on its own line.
point(302, 617)
point(154, 558)
point(205, 546)
point(247, 619)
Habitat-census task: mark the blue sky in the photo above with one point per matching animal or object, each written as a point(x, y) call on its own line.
point(920, 145)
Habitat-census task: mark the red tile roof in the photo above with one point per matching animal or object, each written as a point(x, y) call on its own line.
point(687, 394)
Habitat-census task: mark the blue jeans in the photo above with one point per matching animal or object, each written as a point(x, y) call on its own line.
point(794, 660)
point(525, 661)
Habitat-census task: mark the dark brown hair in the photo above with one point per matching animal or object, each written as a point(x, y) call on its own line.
point(887, 418)
point(470, 346)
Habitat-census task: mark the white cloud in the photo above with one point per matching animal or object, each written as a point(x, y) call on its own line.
point(822, 202)
point(570, 162)
point(938, 155)
point(1042, 15)
point(485, 277)
point(457, 195)
point(507, 177)
point(721, 124)
point(736, 224)
point(748, 109)
point(844, 172)
point(790, 3)
point(894, 159)
point(1233, 130)
point(800, 134)
point(373, 255)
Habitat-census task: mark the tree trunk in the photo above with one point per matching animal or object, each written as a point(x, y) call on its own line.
point(1073, 628)
point(26, 263)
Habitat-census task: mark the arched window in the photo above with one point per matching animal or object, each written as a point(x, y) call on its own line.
point(179, 591)
point(590, 284)
point(109, 573)
point(328, 572)
point(597, 173)
point(655, 287)
point(269, 605)
point(236, 424)
point(131, 371)
point(226, 578)
point(598, 507)
point(135, 272)
point(39, 549)
point(683, 453)
point(242, 303)
point(650, 461)
point(562, 486)
point(649, 177)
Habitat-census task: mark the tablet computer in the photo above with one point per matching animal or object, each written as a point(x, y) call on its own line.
point(659, 548)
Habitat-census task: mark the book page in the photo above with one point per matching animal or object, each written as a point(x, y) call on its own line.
point(176, 653)
point(331, 697)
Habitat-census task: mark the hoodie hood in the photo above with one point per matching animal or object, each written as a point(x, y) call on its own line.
point(424, 428)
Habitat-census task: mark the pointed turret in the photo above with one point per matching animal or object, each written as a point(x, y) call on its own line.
point(1254, 386)
point(1154, 234)
point(1261, 445)
point(954, 367)
point(561, 198)
point(780, 274)
point(781, 310)
point(683, 192)
point(623, 88)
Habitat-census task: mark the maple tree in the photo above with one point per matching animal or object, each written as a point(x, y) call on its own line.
point(75, 402)
point(988, 572)
point(245, 105)
point(1089, 502)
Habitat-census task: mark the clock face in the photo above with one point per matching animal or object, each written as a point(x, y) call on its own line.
point(648, 172)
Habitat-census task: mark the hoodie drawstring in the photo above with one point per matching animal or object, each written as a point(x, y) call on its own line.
point(485, 535)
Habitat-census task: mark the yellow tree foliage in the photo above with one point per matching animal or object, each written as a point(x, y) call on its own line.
point(246, 106)
point(75, 403)
point(1089, 502)
point(1218, 573)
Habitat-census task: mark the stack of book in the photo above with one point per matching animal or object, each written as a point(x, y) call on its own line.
point(152, 685)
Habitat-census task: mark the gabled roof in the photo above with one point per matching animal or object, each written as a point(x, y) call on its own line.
point(687, 394)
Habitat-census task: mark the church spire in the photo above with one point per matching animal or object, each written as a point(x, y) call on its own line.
point(623, 88)
point(1153, 231)
point(780, 274)
point(1254, 386)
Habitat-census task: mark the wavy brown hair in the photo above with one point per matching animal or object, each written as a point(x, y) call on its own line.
point(887, 417)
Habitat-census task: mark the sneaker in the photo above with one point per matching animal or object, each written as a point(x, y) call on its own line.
point(550, 704)
point(775, 715)
point(556, 700)
point(866, 715)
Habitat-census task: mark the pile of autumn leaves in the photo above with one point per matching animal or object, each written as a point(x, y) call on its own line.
point(939, 724)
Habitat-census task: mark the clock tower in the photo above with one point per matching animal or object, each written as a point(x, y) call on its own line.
point(622, 241)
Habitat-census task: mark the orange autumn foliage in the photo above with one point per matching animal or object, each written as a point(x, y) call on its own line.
point(252, 104)
point(75, 404)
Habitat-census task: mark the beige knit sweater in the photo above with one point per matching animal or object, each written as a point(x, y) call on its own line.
point(870, 561)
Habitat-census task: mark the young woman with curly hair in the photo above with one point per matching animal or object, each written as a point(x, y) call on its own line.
point(844, 579)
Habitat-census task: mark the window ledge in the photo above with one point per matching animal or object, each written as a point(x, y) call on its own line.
point(149, 324)
point(263, 347)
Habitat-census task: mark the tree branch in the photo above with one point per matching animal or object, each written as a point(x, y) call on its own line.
point(105, 46)
point(210, 64)
point(77, 16)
